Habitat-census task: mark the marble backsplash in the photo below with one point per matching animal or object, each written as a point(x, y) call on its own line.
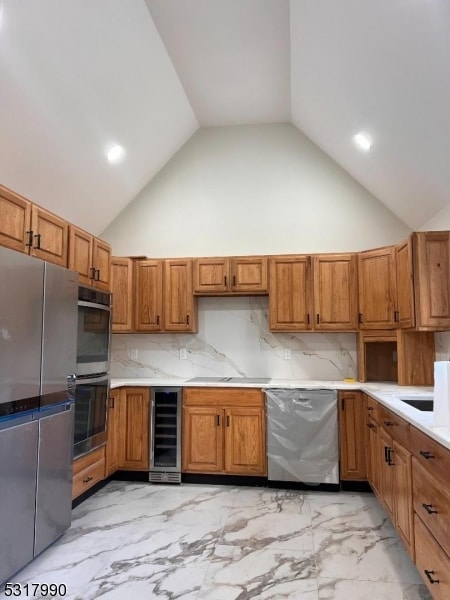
point(234, 340)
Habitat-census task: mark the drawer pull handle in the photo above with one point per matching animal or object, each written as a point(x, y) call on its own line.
point(390, 424)
point(429, 509)
point(429, 576)
point(217, 420)
point(87, 479)
point(370, 408)
point(426, 454)
point(370, 425)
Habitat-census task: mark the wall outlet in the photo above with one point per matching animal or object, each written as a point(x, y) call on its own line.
point(287, 354)
point(183, 353)
point(133, 353)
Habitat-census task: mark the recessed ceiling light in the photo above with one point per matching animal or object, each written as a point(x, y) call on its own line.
point(362, 140)
point(115, 154)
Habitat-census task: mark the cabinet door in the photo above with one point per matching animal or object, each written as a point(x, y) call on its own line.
point(249, 275)
point(80, 254)
point(112, 446)
point(180, 309)
point(134, 425)
point(351, 423)
point(376, 273)
point(211, 275)
point(101, 263)
point(15, 220)
point(386, 463)
point(432, 278)
point(404, 285)
point(122, 290)
point(245, 446)
point(403, 496)
point(374, 455)
point(50, 236)
point(202, 439)
point(290, 293)
point(335, 292)
point(148, 295)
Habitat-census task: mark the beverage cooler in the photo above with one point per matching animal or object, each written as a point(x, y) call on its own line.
point(165, 438)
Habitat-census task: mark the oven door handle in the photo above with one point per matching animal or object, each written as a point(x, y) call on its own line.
point(87, 380)
point(94, 305)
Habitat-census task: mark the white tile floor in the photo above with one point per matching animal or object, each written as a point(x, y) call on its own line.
point(140, 541)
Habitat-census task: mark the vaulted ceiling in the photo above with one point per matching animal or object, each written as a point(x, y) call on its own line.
point(77, 77)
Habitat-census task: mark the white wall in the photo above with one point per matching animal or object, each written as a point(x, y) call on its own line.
point(251, 189)
point(440, 221)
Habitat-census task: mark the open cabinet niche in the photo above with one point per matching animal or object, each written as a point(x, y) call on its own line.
point(402, 357)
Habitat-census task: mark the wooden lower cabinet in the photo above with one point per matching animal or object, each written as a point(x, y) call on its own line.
point(352, 436)
point(403, 504)
point(221, 434)
point(432, 562)
point(112, 446)
point(87, 471)
point(133, 429)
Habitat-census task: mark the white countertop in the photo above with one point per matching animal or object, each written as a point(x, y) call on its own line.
point(386, 393)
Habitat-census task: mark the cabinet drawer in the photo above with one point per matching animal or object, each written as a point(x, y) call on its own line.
point(397, 427)
point(87, 460)
point(372, 408)
point(88, 477)
point(432, 504)
point(432, 562)
point(207, 396)
point(434, 457)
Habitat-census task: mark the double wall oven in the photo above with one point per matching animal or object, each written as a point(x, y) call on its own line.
point(92, 370)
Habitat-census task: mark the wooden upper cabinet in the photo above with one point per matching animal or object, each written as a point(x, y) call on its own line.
point(148, 295)
point(50, 236)
point(236, 275)
point(249, 274)
point(122, 294)
point(432, 279)
point(376, 274)
point(80, 254)
point(211, 275)
point(290, 293)
point(335, 292)
point(90, 257)
point(15, 220)
point(404, 316)
point(180, 308)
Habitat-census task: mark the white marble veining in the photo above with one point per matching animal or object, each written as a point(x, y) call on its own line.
point(187, 542)
point(234, 340)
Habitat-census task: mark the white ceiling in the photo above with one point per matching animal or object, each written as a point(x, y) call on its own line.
point(76, 77)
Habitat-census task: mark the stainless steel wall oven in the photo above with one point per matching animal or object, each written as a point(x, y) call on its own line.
point(92, 370)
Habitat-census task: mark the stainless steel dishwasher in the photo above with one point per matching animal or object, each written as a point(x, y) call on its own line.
point(302, 437)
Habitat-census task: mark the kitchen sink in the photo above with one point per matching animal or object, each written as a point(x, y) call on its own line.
point(424, 403)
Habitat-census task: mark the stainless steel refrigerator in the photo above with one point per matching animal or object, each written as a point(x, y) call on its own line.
point(38, 325)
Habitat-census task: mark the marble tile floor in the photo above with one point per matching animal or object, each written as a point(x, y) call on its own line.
point(194, 542)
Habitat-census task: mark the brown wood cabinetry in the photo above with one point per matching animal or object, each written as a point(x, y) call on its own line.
point(432, 563)
point(235, 275)
point(352, 436)
point(335, 292)
point(432, 279)
point(122, 294)
point(148, 295)
point(290, 297)
point(90, 257)
point(224, 431)
point(28, 228)
point(405, 308)
point(376, 275)
point(87, 471)
point(180, 310)
point(112, 446)
point(133, 429)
